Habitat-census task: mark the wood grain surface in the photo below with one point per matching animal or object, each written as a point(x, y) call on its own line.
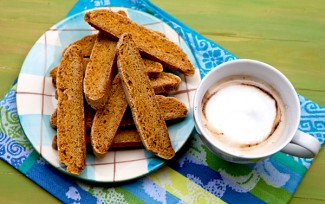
point(290, 35)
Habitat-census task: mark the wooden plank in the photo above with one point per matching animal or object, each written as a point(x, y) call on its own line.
point(16, 188)
point(22, 23)
point(314, 95)
point(312, 185)
point(296, 200)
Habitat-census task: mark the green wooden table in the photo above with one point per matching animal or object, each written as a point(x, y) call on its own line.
point(287, 34)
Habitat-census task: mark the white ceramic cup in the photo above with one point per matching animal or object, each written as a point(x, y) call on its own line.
point(293, 141)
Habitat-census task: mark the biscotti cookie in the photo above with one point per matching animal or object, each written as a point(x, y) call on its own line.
point(165, 82)
point(170, 107)
point(127, 138)
point(124, 138)
point(86, 45)
point(55, 69)
point(123, 13)
point(53, 75)
point(152, 68)
point(150, 43)
point(108, 119)
point(54, 119)
point(161, 82)
point(89, 117)
point(70, 111)
point(100, 72)
point(141, 99)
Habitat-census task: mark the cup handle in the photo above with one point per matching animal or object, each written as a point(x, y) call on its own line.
point(302, 145)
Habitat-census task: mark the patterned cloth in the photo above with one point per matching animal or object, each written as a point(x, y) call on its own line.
point(195, 175)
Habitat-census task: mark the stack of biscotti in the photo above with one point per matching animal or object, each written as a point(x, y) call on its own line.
point(150, 43)
point(141, 98)
point(71, 140)
point(120, 105)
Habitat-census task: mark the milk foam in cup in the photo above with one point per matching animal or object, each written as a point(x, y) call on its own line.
point(246, 110)
point(241, 114)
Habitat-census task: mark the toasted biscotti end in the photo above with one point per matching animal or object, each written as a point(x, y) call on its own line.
point(108, 119)
point(71, 140)
point(54, 119)
point(86, 45)
point(53, 72)
point(171, 108)
point(127, 119)
point(151, 44)
point(165, 82)
point(141, 99)
point(100, 72)
point(127, 138)
point(152, 68)
point(55, 142)
point(53, 75)
point(89, 115)
point(85, 62)
point(124, 138)
point(121, 12)
point(55, 69)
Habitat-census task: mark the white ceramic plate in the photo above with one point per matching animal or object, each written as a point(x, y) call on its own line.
point(36, 101)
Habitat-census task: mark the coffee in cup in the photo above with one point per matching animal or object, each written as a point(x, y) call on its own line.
point(245, 110)
point(243, 114)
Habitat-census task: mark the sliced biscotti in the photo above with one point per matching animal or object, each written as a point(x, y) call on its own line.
point(124, 138)
point(70, 111)
point(53, 74)
point(123, 13)
point(161, 82)
point(54, 119)
point(100, 72)
point(141, 99)
point(170, 107)
point(165, 82)
point(86, 45)
point(152, 68)
point(127, 138)
point(149, 42)
point(108, 119)
point(85, 62)
point(89, 117)
point(55, 69)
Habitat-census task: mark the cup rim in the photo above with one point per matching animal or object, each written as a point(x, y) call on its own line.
point(201, 131)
